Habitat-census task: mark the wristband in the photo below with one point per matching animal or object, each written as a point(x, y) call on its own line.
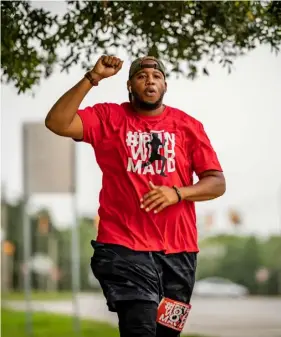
point(178, 193)
point(89, 77)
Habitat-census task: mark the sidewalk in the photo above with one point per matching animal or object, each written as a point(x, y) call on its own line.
point(217, 317)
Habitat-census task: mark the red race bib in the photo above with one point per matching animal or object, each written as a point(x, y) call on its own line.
point(172, 314)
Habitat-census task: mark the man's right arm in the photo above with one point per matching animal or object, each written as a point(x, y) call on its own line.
point(63, 119)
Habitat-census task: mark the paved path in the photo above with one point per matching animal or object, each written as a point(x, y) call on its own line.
point(221, 317)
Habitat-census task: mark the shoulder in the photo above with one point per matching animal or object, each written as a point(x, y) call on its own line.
point(103, 111)
point(183, 118)
point(108, 107)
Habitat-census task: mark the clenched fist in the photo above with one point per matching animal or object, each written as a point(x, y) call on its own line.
point(107, 66)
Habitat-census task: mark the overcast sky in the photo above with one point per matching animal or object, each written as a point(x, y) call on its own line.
point(240, 112)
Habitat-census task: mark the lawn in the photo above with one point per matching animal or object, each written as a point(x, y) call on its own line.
point(46, 325)
point(37, 296)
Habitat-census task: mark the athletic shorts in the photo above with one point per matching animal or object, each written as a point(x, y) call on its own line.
point(125, 274)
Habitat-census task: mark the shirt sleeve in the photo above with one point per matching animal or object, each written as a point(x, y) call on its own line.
point(204, 157)
point(94, 119)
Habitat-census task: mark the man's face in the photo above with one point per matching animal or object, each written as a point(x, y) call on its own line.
point(148, 85)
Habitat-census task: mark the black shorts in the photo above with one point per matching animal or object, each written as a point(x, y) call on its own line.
point(125, 274)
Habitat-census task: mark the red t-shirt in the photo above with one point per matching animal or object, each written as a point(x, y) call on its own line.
point(131, 150)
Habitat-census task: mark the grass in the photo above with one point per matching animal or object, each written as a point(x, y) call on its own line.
point(50, 325)
point(37, 296)
point(47, 325)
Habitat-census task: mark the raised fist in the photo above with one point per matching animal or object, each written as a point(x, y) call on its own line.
point(107, 66)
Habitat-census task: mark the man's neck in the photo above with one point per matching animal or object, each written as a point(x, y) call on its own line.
point(154, 112)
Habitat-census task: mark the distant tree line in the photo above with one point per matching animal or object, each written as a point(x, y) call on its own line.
point(247, 260)
point(238, 258)
point(47, 240)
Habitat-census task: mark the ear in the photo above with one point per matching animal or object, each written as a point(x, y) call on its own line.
point(129, 86)
point(166, 87)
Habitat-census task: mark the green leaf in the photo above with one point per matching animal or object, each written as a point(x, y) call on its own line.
point(175, 31)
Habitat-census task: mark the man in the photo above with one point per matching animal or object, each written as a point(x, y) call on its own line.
point(145, 253)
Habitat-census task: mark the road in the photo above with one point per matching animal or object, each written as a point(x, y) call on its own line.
point(221, 317)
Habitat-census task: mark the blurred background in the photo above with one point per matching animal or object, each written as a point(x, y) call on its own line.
point(225, 70)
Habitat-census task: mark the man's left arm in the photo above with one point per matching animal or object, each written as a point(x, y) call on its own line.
point(211, 185)
point(207, 167)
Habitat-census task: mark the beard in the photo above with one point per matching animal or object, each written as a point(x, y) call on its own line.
point(144, 105)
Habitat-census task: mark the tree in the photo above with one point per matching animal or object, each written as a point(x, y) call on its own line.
point(250, 262)
point(14, 234)
point(86, 233)
point(187, 35)
point(271, 259)
point(239, 262)
point(41, 233)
